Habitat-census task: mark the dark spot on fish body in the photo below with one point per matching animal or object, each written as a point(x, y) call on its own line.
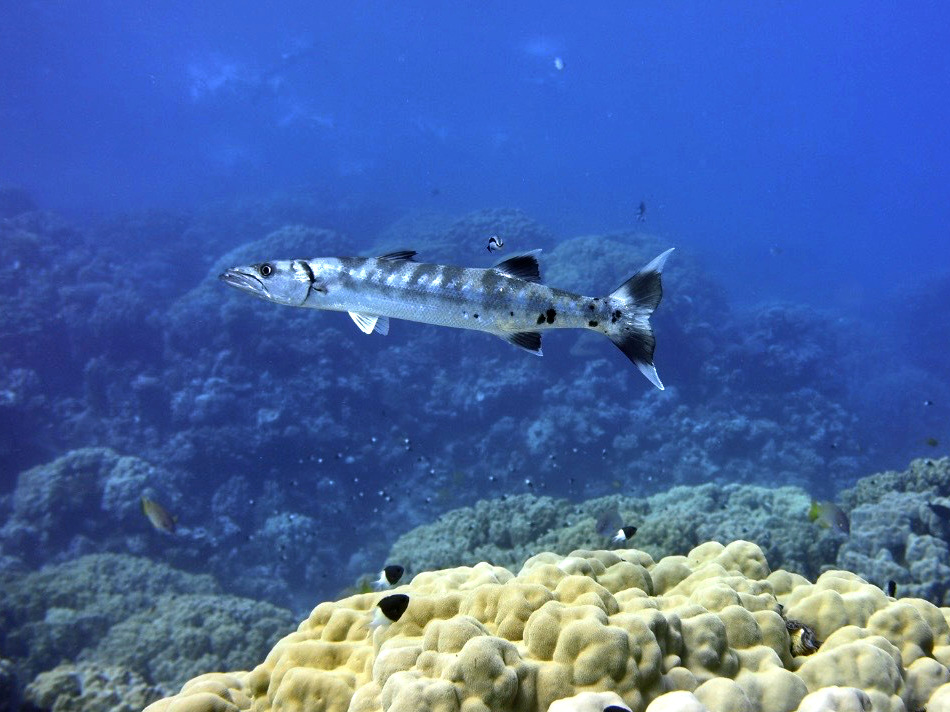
point(541, 318)
point(550, 315)
point(424, 270)
point(591, 306)
point(475, 315)
point(511, 313)
point(615, 316)
point(592, 323)
point(453, 278)
point(492, 281)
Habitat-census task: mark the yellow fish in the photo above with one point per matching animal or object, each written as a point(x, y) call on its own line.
point(158, 515)
point(827, 515)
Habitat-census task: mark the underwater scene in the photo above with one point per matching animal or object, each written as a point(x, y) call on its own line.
point(276, 430)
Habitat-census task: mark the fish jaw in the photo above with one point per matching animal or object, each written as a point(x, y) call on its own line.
point(242, 279)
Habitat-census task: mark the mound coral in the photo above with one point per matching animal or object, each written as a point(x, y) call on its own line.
point(706, 631)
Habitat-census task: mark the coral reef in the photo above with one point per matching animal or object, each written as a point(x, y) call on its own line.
point(924, 475)
point(707, 631)
point(900, 526)
point(60, 610)
point(508, 530)
point(157, 622)
point(89, 687)
point(245, 406)
point(180, 636)
point(9, 687)
point(84, 501)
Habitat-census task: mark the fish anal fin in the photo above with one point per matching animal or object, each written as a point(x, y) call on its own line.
point(530, 341)
point(523, 266)
point(368, 323)
point(406, 255)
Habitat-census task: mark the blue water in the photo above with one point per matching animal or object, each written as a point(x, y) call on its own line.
point(797, 157)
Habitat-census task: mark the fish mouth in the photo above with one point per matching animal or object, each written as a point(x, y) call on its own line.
point(242, 280)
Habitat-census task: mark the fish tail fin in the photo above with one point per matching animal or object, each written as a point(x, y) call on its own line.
point(638, 298)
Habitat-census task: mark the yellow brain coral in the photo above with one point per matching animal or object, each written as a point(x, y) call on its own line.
point(706, 631)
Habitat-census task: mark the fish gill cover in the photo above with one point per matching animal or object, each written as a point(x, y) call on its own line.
point(795, 158)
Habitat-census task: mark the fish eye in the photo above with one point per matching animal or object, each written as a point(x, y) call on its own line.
point(266, 269)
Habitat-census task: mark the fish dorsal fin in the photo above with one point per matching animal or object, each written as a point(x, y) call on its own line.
point(522, 266)
point(406, 255)
point(368, 323)
point(530, 341)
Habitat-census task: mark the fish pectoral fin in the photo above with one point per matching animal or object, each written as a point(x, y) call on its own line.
point(368, 323)
point(400, 255)
point(530, 341)
point(522, 266)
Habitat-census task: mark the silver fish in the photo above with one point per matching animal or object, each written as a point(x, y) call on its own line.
point(507, 300)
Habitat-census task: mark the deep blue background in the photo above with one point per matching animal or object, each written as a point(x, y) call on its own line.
point(802, 147)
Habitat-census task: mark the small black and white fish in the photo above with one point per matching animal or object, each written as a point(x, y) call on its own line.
point(507, 300)
point(389, 576)
point(389, 609)
point(495, 243)
point(624, 534)
point(642, 212)
point(892, 588)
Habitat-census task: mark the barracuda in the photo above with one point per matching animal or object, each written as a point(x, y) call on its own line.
point(507, 300)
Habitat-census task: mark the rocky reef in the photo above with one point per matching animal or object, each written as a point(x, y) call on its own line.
point(155, 624)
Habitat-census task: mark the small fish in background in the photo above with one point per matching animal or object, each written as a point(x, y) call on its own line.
point(389, 609)
point(389, 576)
point(928, 402)
point(559, 64)
point(642, 212)
point(776, 250)
point(608, 522)
point(495, 243)
point(932, 442)
point(891, 589)
point(158, 515)
point(623, 535)
point(829, 515)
